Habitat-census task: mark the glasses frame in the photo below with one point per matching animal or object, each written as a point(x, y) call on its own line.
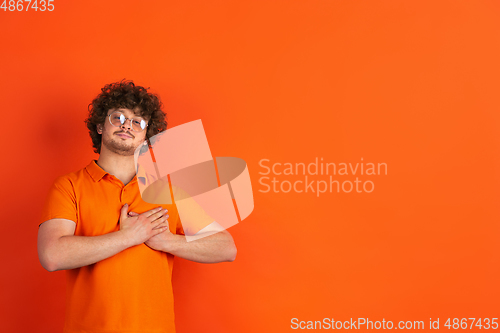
point(131, 126)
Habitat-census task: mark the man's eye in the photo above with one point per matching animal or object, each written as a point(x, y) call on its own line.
point(137, 122)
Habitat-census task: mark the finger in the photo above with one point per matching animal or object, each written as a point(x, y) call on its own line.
point(133, 213)
point(123, 211)
point(158, 215)
point(160, 225)
point(153, 211)
point(160, 221)
point(160, 230)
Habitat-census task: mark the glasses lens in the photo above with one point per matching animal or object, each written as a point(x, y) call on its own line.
point(138, 124)
point(117, 119)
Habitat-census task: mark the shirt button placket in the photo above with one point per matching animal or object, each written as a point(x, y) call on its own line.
point(122, 196)
point(127, 195)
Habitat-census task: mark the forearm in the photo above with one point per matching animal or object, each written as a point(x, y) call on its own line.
point(215, 248)
point(76, 251)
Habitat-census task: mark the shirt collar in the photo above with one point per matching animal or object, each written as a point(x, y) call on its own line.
point(95, 171)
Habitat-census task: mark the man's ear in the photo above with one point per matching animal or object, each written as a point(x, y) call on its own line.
point(99, 128)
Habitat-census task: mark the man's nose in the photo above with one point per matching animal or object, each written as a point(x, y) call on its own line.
point(127, 125)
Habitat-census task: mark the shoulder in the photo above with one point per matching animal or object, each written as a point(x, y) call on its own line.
point(69, 180)
point(70, 177)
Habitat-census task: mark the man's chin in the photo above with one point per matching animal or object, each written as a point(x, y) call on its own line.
point(121, 150)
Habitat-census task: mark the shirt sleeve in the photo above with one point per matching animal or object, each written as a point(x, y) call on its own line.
point(60, 202)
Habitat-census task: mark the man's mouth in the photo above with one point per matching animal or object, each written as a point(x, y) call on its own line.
point(124, 135)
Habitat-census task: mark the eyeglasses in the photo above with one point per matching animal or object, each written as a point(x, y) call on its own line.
point(118, 119)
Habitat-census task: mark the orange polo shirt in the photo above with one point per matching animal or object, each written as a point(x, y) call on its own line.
point(130, 292)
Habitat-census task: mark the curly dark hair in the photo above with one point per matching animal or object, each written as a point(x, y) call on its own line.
point(125, 94)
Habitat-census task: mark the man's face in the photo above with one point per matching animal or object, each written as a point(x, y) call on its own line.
point(121, 140)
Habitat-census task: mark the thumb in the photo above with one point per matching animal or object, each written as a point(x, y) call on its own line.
point(123, 212)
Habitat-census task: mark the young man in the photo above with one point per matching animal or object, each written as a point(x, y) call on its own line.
point(118, 249)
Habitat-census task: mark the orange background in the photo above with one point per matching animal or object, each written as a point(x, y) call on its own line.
point(414, 84)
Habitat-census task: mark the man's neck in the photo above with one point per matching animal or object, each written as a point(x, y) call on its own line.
point(122, 167)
